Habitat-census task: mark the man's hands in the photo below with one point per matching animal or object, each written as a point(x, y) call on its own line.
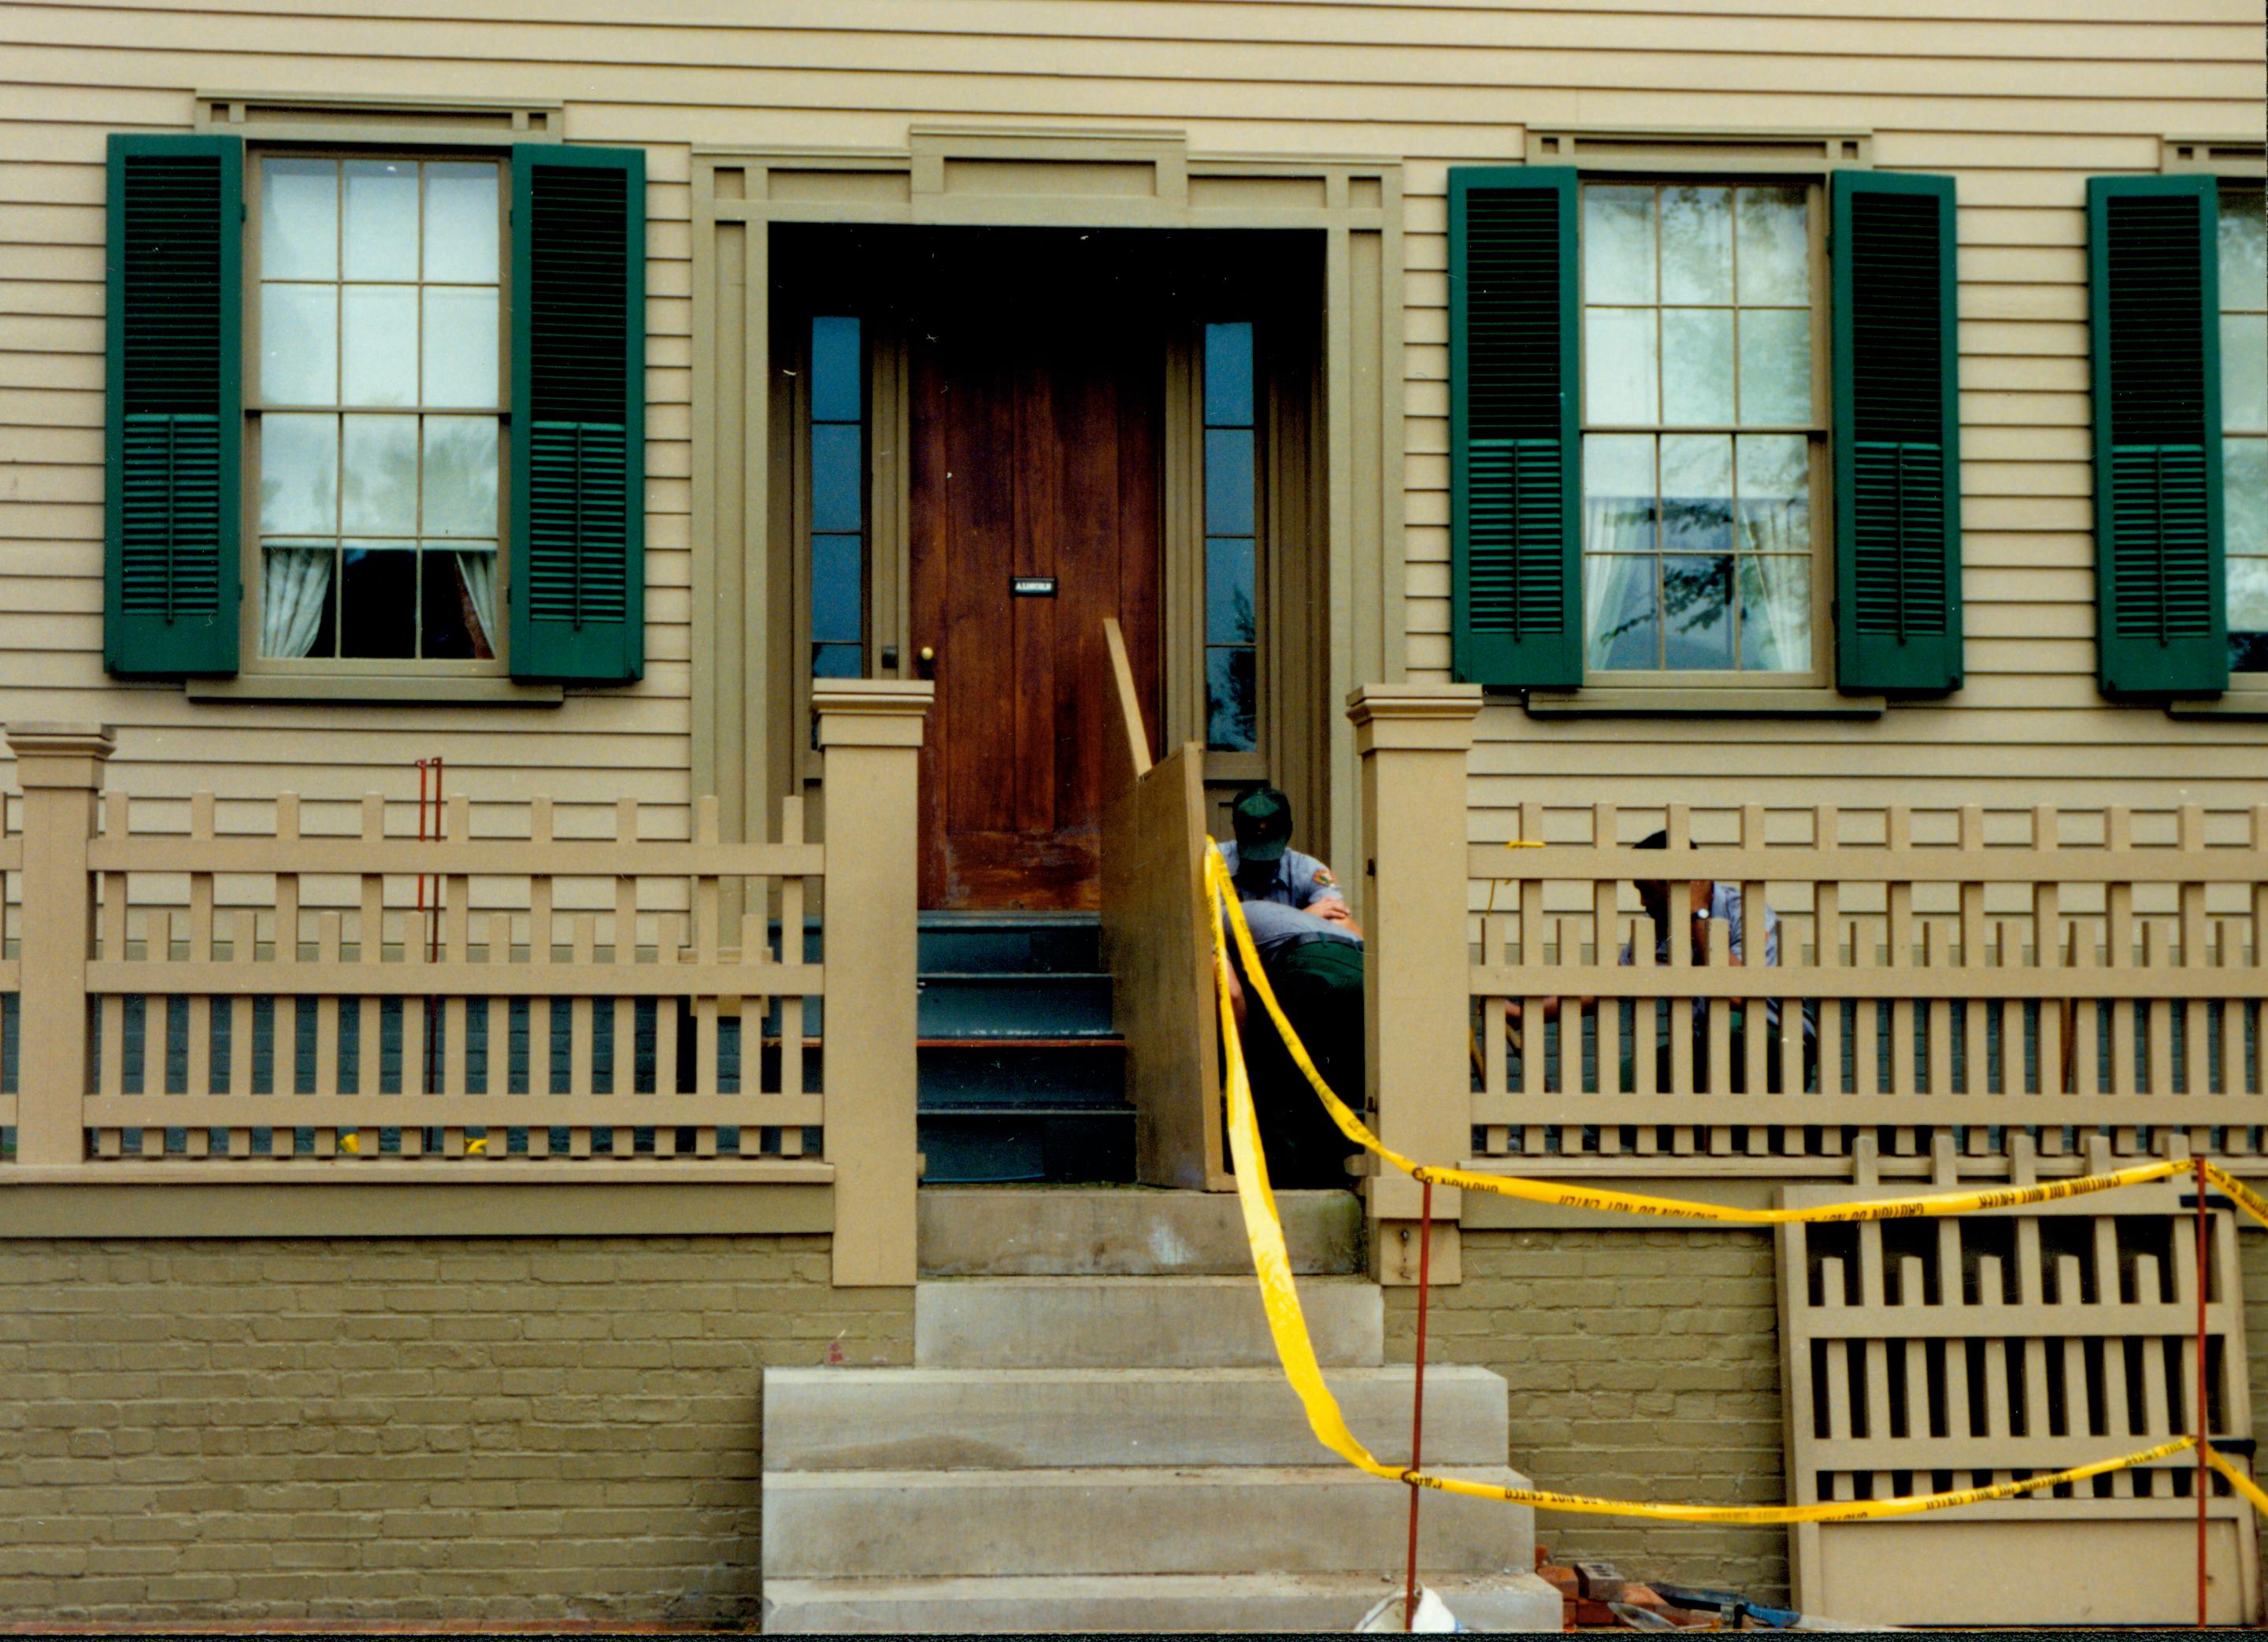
point(1331, 909)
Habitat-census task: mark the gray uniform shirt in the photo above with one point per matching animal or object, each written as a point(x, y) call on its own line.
point(1300, 880)
point(1277, 928)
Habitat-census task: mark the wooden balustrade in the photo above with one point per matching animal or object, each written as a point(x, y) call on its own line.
point(2040, 974)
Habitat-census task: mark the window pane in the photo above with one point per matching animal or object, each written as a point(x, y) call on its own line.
point(295, 602)
point(2244, 495)
point(1230, 699)
point(2243, 249)
point(378, 603)
point(836, 661)
point(2244, 371)
point(1228, 482)
point(1618, 365)
point(452, 627)
point(1775, 491)
point(837, 584)
point(460, 347)
point(382, 476)
point(1697, 245)
point(299, 344)
point(1775, 247)
point(1775, 366)
point(1619, 613)
point(1618, 507)
point(381, 236)
point(1696, 613)
point(1775, 613)
point(299, 218)
point(461, 223)
point(834, 370)
point(1697, 365)
point(1229, 591)
point(299, 474)
point(2247, 595)
point(1696, 493)
point(381, 344)
point(461, 476)
point(837, 491)
point(1228, 376)
point(1617, 244)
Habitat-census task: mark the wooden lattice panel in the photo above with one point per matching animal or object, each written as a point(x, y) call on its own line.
point(1922, 1355)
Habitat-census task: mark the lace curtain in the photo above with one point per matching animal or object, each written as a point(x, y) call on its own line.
point(295, 588)
point(478, 572)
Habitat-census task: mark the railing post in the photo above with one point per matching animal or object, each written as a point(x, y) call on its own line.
point(59, 767)
point(870, 731)
point(1412, 741)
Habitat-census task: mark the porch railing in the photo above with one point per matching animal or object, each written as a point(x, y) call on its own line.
point(1997, 979)
point(287, 998)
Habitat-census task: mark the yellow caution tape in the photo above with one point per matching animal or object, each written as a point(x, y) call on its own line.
point(2245, 1485)
point(1218, 886)
point(1295, 1351)
point(2245, 1198)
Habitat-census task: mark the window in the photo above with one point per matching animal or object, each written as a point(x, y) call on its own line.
point(440, 399)
point(838, 500)
point(1702, 440)
point(2243, 240)
point(1232, 645)
point(377, 408)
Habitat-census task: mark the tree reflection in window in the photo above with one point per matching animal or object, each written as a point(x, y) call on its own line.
point(1231, 516)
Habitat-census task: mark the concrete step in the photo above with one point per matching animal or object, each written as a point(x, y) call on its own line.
point(972, 1232)
point(1134, 1323)
point(1322, 1518)
point(1135, 1602)
point(906, 1420)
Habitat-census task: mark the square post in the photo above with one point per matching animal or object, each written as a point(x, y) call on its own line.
point(1411, 741)
point(870, 733)
point(59, 767)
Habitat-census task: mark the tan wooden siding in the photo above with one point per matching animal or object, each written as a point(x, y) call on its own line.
point(2022, 98)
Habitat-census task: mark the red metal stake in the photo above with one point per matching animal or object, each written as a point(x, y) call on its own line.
point(2203, 1476)
point(1418, 1396)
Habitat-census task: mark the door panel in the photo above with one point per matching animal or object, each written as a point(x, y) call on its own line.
point(1037, 455)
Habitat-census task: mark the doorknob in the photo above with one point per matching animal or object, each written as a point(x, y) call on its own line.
point(927, 654)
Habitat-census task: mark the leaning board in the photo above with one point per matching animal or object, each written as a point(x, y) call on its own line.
point(1923, 1355)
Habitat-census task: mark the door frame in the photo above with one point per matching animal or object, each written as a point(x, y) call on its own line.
point(745, 688)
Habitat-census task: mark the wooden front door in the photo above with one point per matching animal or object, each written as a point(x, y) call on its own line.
point(1035, 514)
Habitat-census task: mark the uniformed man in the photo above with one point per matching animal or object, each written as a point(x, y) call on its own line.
point(1311, 950)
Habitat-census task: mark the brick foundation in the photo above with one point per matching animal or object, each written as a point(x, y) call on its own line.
point(542, 1428)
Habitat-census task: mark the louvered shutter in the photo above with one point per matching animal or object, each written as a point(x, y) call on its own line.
point(1515, 580)
point(2162, 620)
point(1897, 434)
point(577, 416)
point(175, 412)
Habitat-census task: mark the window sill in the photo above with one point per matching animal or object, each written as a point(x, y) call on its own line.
point(2247, 701)
point(1765, 703)
point(376, 687)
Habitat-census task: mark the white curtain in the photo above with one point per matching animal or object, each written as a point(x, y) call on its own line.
point(1619, 628)
point(1776, 590)
point(478, 571)
point(294, 590)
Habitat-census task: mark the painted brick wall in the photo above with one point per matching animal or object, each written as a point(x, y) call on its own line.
point(545, 1428)
point(1642, 1364)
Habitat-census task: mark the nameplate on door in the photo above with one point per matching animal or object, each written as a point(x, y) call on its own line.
point(1033, 587)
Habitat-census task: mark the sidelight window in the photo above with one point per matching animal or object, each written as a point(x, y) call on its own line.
point(837, 459)
point(1232, 644)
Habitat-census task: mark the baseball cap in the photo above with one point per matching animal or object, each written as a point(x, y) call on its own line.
point(1263, 820)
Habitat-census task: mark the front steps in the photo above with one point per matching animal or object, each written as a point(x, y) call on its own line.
point(1116, 1452)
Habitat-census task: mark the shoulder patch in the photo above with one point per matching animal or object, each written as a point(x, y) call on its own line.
point(1324, 879)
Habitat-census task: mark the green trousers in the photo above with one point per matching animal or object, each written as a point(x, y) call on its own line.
point(1320, 986)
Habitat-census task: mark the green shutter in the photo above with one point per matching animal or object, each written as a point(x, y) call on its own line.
point(1516, 578)
point(1897, 434)
point(2155, 304)
point(577, 585)
point(175, 412)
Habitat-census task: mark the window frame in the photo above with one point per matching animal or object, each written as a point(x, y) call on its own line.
point(2252, 685)
point(463, 678)
point(1820, 676)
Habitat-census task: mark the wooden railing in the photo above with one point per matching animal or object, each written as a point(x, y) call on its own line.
point(288, 999)
point(1983, 976)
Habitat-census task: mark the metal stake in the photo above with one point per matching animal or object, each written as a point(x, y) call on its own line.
point(1417, 1397)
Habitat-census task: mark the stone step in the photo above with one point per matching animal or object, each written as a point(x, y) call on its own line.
point(973, 1231)
point(1134, 1323)
point(1321, 1519)
point(1139, 1601)
point(906, 1420)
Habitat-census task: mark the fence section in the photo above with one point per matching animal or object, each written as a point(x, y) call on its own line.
point(2044, 974)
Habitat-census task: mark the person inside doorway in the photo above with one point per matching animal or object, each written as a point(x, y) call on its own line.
point(1311, 950)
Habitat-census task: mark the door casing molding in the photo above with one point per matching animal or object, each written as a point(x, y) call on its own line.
point(744, 746)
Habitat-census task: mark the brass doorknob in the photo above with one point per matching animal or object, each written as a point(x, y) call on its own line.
point(927, 653)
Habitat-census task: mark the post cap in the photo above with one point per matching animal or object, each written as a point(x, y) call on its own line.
point(60, 754)
point(871, 712)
